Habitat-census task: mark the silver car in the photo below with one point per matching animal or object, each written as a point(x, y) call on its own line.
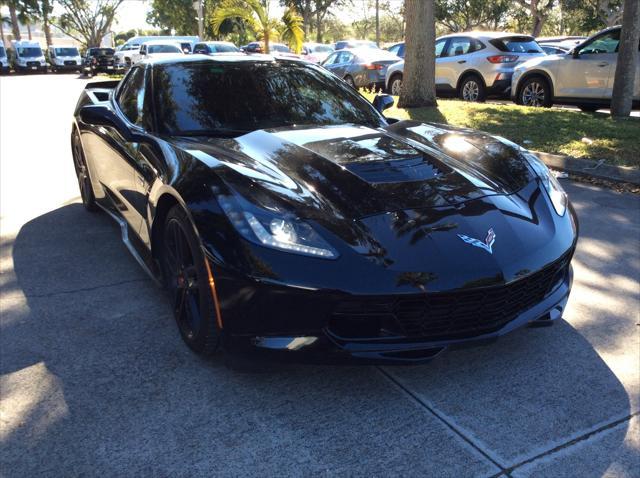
point(362, 67)
point(474, 65)
point(582, 77)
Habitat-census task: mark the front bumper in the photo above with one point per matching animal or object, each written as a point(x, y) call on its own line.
point(283, 323)
point(75, 67)
point(32, 68)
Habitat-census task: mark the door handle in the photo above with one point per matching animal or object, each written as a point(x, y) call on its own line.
point(462, 61)
point(604, 63)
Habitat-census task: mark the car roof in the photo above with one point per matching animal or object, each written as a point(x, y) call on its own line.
point(199, 58)
point(487, 35)
point(162, 42)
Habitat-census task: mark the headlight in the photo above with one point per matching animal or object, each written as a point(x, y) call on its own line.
point(554, 189)
point(275, 229)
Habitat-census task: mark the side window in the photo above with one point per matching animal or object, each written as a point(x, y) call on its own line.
point(131, 96)
point(401, 51)
point(440, 48)
point(395, 49)
point(607, 43)
point(476, 45)
point(331, 59)
point(199, 48)
point(459, 46)
point(345, 57)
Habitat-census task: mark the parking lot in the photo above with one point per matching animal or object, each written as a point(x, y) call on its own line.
point(95, 379)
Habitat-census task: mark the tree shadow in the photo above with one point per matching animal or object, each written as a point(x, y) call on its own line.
point(97, 380)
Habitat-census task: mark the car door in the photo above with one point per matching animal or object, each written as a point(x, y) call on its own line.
point(454, 61)
point(636, 84)
point(441, 64)
point(585, 74)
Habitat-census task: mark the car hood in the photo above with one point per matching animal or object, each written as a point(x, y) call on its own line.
point(354, 171)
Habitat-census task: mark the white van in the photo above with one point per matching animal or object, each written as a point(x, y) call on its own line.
point(4, 60)
point(28, 56)
point(64, 58)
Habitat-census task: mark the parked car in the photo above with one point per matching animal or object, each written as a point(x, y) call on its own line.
point(215, 48)
point(27, 56)
point(397, 49)
point(474, 65)
point(131, 47)
point(276, 49)
point(363, 67)
point(64, 58)
point(4, 61)
point(352, 44)
point(583, 77)
point(316, 52)
point(288, 218)
point(98, 60)
point(157, 48)
point(554, 48)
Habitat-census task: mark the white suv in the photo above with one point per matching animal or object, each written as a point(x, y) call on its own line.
point(474, 65)
point(581, 77)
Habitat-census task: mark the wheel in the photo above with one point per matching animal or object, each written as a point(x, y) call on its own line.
point(589, 108)
point(186, 277)
point(472, 89)
point(535, 91)
point(349, 81)
point(82, 173)
point(395, 85)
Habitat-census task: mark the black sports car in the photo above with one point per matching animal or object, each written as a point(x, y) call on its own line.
point(287, 217)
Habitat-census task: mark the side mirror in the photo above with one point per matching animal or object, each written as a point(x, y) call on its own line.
point(575, 53)
point(382, 102)
point(100, 115)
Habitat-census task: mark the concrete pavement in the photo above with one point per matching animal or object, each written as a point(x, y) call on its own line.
point(94, 379)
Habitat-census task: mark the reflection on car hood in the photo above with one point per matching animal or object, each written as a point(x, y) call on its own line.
point(354, 171)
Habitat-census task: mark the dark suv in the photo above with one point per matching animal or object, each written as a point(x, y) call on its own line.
point(98, 60)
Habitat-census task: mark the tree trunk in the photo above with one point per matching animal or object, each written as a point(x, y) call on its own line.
point(418, 84)
point(14, 21)
point(46, 26)
point(622, 99)
point(29, 30)
point(318, 26)
point(378, 23)
point(2, 30)
point(266, 39)
point(538, 23)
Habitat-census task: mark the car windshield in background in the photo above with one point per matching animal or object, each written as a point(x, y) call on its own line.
point(164, 49)
point(67, 52)
point(102, 52)
point(222, 48)
point(517, 45)
point(321, 49)
point(280, 48)
point(29, 52)
point(257, 95)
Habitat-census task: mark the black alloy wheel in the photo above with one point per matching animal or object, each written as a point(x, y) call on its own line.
point(82, 173)
point(186, 278)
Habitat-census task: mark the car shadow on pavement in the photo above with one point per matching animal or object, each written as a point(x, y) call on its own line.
point(96, 380)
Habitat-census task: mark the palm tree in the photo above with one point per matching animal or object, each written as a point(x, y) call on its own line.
point(3, 21)
point(256, 14)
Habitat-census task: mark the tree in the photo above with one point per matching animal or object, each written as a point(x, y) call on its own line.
point(3, 21)
point(43, 9)
point(14, 6)
point(465, 15)
point(87, 21)
point(622, 99)
point(256, 14)
point(27, 14)
point(418, 85)
point(539, 10)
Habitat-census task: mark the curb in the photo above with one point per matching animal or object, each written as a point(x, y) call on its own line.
point(588, 168)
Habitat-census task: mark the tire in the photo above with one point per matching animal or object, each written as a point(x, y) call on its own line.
point(82, 173)
point(589, 108)
point(349, 81)
point(395, 84)
point(536, 92)
point(472, 89)
point(186, 278)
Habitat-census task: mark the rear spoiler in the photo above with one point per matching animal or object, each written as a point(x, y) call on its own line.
point(106, 85)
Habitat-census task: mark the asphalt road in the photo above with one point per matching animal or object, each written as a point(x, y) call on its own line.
point(96, 381)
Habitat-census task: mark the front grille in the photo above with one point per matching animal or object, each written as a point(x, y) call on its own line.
point(105, 62)
point(33, 63)
point(450, 315)
point(69, 62)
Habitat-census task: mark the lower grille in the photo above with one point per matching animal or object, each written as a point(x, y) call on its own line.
point(33, 63)
point(450, 315)
point(69, 62)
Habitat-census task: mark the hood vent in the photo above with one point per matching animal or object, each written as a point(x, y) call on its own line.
point(394, 171)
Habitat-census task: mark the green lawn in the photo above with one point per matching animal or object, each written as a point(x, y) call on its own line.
point(548, 130)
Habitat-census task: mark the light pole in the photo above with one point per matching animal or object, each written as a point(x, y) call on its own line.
point(197, 5)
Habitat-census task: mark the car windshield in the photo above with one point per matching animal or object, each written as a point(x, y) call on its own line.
point(164, 49)
point(67, 52)
point(101, 52)
point(30, 52)
point(280, 48)
point(517, 45)
point(224, 48)
point(321, 48)
point(257, 95)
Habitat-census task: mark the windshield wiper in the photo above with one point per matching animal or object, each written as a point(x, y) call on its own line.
point(214, 133)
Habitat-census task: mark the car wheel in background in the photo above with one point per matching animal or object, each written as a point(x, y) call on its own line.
point(535, 91)
point(472, 89)
point(589, 108)
point(82, 173)
point(349, 81)
point(395, 84)
point(188, 280)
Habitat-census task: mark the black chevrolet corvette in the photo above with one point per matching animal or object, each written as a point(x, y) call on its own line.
point(288, 218)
